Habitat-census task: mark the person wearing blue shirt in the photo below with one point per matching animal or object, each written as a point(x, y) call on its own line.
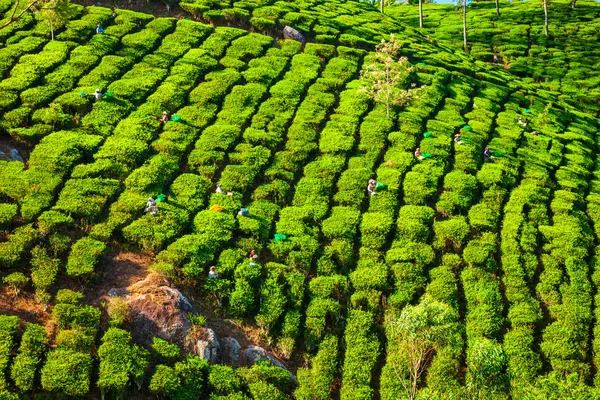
point(99, 29)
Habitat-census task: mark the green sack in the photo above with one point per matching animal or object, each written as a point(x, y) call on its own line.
point(280, 237)
point(427, 134)
point(380, 186)
point(465, 140)
point(82, 94)
point(528, 111)
point(161, 198)
point(176, 118)
point(109, 95)
point(497, 154)
point(467, 128)
point(420, 63)
point(425, 154)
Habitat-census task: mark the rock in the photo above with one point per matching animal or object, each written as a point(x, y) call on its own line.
point(293, 34)
point(181, 300)
point(230, 351)
point(118, 292)
point(208, 347)
point(256, 353)
point(159, 311)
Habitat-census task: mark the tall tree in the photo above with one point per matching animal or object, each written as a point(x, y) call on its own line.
point(418, 332)
point(386, 77)
point(464, 10)
point(573, 3)
point(420, 13)
point(56, 13)
point(15, 17)
point(497, 8)
point(545, 5)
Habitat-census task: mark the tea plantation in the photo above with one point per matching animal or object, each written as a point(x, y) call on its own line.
point(565, 62)
point(467, 277)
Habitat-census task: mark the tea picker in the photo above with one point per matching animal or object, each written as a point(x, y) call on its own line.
point(457, 138)
point(373, 187)
point(521, 122)
point(212, 274)
point(97, 94)
point(163, 119)
point(244, 212)
point(487, 154)
point(151, 207)
point(253, 258)
point(220, 190)
point(421, 155)
point(99, 29)
point(418, 154)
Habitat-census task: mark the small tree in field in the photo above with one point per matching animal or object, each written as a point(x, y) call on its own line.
point(417, 333)
point(387, 78)
point(16, 281)
point(56, 13)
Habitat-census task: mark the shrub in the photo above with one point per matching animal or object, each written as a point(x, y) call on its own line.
point(84, 256)
point(452, 232)
point(16, 281)
point(120, 361)
point(315, 383)
point(8, 330)
point(44, 270)
point(31, 350)
point(223, 380)
point(165, 350)
point(7, 213)
point(67, 372)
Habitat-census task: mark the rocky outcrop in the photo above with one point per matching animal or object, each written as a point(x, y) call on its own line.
point(158, 310)
point(162, 313)
point(208, 347)
point(230, 351)
point(256, 353)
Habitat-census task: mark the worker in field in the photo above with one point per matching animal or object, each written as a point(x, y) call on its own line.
point(221, 191)
point(97, 94)
point(457, 139)
point(163, 119)
point(244, 212)
point(253, 255)
point(487, 154)
point(99, 29)
point(212, 274)
point(418, 154)
point(151, 207)
point(372, 187)
point(521, 122)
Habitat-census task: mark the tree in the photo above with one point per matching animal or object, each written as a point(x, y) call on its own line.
point(16, 281)
point(485, 369)
point(464, 12)
point(545, 5)
point(387, 79)
point(497, 8)
point(15, 17)
point(417, 333)
point(420, 13)
point(55, 13)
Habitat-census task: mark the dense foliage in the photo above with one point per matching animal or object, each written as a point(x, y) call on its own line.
point(463, 276)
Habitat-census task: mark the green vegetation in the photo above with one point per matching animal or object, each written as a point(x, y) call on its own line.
point(460, 276)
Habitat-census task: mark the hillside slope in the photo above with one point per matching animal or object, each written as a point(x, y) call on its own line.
point(565, 62)
point(505, 248)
